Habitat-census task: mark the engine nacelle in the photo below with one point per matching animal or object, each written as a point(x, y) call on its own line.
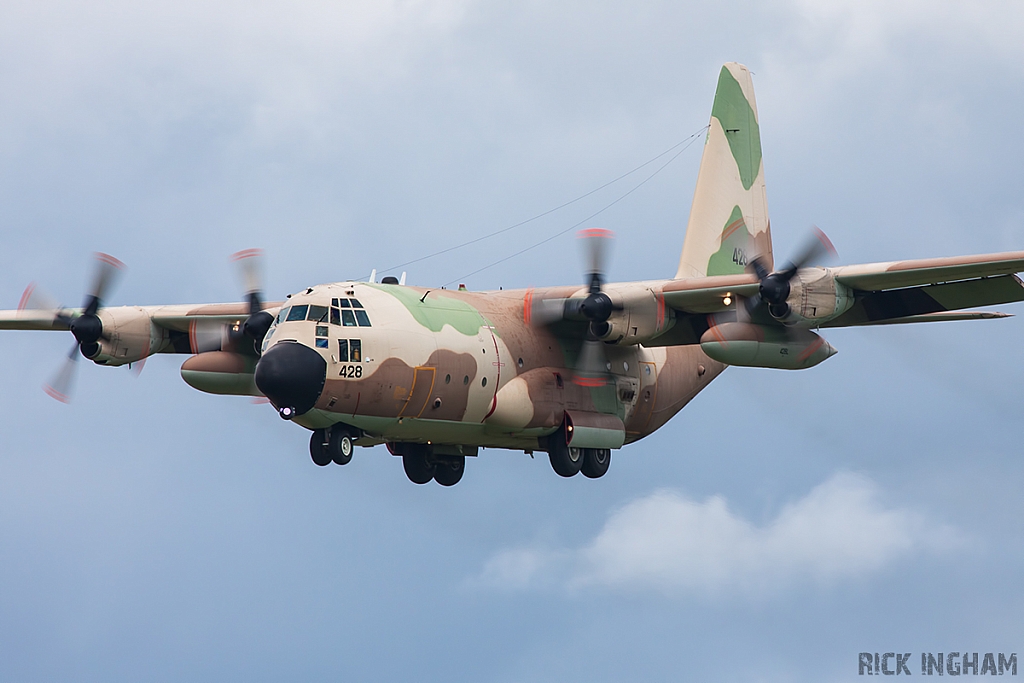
point(129, 334)
point(815, 296)
point(759, 346)
point(641, 315)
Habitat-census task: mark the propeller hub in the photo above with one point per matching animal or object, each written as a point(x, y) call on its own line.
point(87, 328)
point(774, 289)
point(256, 326)
point(597, 307)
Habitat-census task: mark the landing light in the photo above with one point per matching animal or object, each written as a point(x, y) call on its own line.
point(727, 300)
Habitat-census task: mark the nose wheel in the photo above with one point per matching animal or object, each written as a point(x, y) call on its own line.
point(334, 445)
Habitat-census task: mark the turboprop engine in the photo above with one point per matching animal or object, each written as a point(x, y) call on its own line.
point(128, 337)
point(761, 346)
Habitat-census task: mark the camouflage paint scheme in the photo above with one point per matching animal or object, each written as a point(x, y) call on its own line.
point(463, 370)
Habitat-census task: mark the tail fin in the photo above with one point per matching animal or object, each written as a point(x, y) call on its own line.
point(729, 216)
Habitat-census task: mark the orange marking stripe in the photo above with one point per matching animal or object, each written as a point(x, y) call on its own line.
point(732, 227)
point(246, 253)
point(25, 296)
point(109, 260)
point(810, 349)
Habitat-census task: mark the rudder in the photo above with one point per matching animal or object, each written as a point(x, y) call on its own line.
point(729, 216)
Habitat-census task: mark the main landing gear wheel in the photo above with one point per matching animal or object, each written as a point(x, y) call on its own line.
point(417, 462)
point(448, 472)
point(319, 448)
point(340, 446)
point(596, 462)
point(565, 460)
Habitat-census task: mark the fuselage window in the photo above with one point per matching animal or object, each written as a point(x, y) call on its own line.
point(297, 313)
point(343, 350)
point(355, 347)
point(335, 316)
point(317, 314)
point(348, 319)
point(364, 320)
point(321, 337)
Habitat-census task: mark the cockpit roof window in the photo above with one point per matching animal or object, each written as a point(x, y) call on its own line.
point(317, 313)
point(297, 313)
point(344, 303)
point(355, 303)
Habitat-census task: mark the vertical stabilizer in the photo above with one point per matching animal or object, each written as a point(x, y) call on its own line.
point(729, 217)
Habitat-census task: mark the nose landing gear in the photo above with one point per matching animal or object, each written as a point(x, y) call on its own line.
point(331, 445)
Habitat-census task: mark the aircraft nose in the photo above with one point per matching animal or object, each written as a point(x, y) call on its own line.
point(292, 376)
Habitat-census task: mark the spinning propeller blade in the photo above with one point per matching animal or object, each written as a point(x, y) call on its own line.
point(250, 263)
point(86, 327)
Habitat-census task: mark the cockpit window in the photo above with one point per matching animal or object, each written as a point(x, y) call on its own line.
point(317, 314)
point(364, 320)
point(347, 318)
point(297, 313)
point(335, 316)
point(283, 314)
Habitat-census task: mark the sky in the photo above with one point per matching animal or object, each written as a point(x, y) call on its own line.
point(781, 524)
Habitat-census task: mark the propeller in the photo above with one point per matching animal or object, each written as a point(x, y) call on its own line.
point(250, 265)
point(247, 337)
point(596, 308)
point(86, 326)
point(774, 288)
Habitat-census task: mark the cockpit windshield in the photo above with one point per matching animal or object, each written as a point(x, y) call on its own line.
point(317, 314)
point(343, 312)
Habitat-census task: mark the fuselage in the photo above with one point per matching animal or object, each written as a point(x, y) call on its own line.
point(465, 368)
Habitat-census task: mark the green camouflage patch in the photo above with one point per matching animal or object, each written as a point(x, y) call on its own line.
point(731, 257)
point(437, 310)
point(741, 130)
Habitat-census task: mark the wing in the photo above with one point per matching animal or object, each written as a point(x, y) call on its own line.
point(924, 290)
point(929, 289)
point(180, 328)
point(176, 317)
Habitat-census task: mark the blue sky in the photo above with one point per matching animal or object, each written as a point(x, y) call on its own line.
point(781, 524)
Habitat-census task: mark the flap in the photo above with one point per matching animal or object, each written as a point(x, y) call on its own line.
point(905, 304)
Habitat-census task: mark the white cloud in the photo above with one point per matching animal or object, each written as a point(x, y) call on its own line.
point(669, 543)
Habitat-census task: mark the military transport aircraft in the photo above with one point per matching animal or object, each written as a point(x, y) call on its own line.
point(578, 372)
